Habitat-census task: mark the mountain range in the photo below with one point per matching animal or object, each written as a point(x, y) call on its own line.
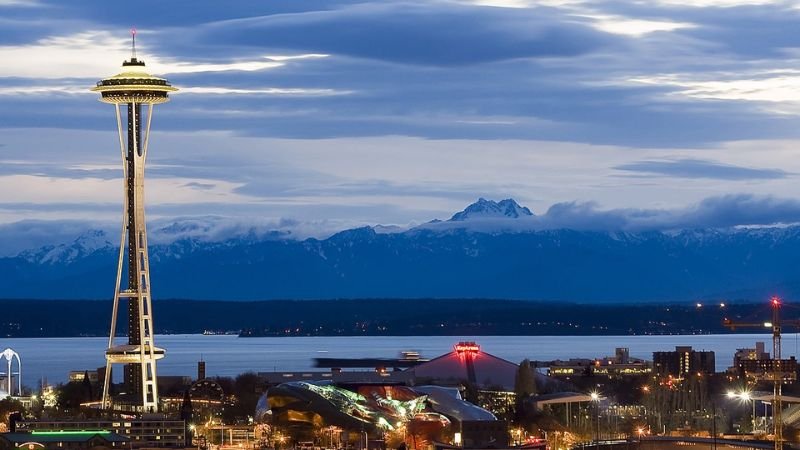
point(488, 250)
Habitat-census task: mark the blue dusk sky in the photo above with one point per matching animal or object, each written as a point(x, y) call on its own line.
point(322, 115)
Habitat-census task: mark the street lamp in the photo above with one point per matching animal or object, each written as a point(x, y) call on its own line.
point(640, 432)
point(746, 396)
point(191, 434)
point(518, 433)
point(596, 400)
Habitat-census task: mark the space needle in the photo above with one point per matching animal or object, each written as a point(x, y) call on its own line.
point(131, 92)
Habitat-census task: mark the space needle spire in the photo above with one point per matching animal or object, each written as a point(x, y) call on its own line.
point(133, 44)
point(128, 91)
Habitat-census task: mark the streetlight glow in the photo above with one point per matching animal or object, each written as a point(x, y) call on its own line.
point(745, 396)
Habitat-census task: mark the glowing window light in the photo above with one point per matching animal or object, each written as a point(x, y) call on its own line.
point(69, 432)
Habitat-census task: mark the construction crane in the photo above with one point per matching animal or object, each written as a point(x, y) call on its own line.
point(778, 372)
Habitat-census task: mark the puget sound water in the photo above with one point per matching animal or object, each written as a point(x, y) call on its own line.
point(51, 359)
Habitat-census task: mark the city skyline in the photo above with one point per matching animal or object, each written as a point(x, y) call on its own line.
point(335, 114)
point(600, 174)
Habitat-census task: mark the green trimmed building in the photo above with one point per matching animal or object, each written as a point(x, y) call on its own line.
point(63, 439)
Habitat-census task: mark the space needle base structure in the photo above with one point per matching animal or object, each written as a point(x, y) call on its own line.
point(132, 91)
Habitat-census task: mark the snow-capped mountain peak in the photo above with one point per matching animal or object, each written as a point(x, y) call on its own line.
point(83, 245)
point(92, 240)
point(483, 208)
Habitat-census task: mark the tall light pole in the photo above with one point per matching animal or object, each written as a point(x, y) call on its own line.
point(596, 400)
point(746, 396)
point(713, 424)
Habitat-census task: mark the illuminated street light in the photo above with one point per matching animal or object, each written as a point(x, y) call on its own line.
point(746, 396)
point(518, 433)
point(596, 400)
point(640, 432)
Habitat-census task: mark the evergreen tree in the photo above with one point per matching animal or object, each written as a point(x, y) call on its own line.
point(470, 392)
point(524, 388)
point(87, 387)
point(525, 381)
point(187, 413)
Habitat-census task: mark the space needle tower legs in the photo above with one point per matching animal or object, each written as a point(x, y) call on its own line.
point(130, 92)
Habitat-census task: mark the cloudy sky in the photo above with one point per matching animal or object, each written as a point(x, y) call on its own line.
point(336, 113)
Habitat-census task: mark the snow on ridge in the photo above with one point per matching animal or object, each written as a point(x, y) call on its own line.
point(56, 241)
point(51, 241)
point(85, 244)
point(389, 229)
point(507, 209)
point(490, 225)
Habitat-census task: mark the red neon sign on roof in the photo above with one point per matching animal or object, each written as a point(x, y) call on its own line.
point(467, 347)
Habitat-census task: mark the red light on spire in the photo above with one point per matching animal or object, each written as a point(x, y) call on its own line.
point(133, 44)
point(776, 302)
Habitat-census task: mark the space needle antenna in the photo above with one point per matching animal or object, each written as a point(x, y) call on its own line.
point(133, 44)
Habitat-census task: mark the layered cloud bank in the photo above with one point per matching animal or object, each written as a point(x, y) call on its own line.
point(728, 211)
point(339, 113)
point(484, 216)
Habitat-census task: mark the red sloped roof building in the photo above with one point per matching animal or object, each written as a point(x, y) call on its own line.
point(468, 362)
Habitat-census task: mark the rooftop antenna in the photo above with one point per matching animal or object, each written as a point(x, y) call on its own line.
point(133, 44)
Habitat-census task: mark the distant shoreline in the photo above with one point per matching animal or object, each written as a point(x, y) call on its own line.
point(230, 356)
point(380, 317)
